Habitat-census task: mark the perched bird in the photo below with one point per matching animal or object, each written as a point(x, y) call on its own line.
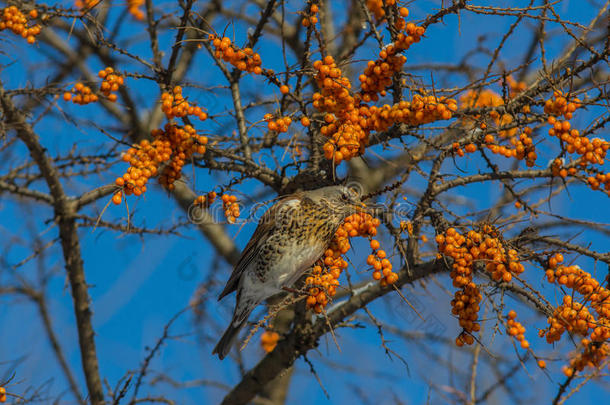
point(292, 234)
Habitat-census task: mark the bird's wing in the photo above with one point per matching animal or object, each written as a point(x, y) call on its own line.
point(265, 227)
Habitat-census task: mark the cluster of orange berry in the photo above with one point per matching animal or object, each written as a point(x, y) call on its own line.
point(560, 105)
point(591, 151)
point(558, 170)
point(134, 9)
point(81, 94)
point(144, 160)
point(184, 142)
point(243, 59)
point(205, 200)
point(516, 330)
point(343, 124)
point(174, 105)
point(420, 110)
point(378, 74)
point(574, 142)
point(269, 340)
point(279, 125)
point(376, 7)
point(465, 303)
point(2, 394)
point(334, 96)
point(382, 268)
point(574, 316)
point(468, 148)
point(571, 316)
point(324, 279)
point(173, 145)
point(14, 20)
point(312, 18)
point(349, 121)
point(231, 207)
point(112, 81)
point(484, 246)
point(523, 147)
point(599, 180)
point(488, 98)
point(593, 355)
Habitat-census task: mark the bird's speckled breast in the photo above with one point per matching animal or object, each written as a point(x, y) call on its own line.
point(304, 231)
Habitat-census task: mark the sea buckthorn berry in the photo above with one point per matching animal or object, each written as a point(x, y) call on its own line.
point(591, 152)
point(81, 94)
point(13, 19)
point(165, 155)
point(242, 59)
point(230, 207)
point(591, 354)
point(280, 124)
point(482, 245)
point(269, 340)
point(324, 279)
point(574, 316)
point(174, 105)
point(284, 89)
point(133, 6)
point(111, 83)
point(117, 198)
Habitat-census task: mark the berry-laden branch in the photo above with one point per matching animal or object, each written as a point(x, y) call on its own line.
point(305, 337)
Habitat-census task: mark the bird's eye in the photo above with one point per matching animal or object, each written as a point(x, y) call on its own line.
point(344, 197)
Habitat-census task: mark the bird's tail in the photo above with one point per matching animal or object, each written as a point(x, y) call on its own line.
point(226, 341)
point(240, 317)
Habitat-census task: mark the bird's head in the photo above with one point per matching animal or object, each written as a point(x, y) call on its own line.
point(343, 200)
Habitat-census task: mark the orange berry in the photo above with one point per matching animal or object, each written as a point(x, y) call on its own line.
point(374, 244)
point(117, 198)
point(284, 89)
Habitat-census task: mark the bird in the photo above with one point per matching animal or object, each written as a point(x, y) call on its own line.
point(291, 235)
